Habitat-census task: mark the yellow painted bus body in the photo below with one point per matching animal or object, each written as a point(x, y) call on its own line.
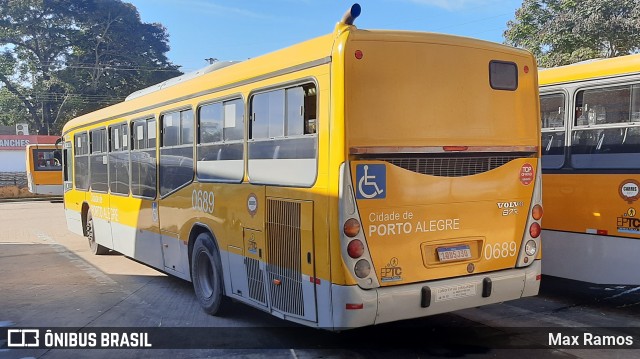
point(417, 95)
point(590, 190)
point(43, 169)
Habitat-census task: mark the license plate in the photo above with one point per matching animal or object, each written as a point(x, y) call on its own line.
point(457, 253)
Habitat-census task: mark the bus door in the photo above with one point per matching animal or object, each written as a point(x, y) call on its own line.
point(98, 200)
point(175, 173)
point(67, 171)
point(143, 188)
point(72, 199)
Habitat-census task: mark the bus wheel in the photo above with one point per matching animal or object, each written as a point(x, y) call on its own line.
point(206, 274)
point(95, 248)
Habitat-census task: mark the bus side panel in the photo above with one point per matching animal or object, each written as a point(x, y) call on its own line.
point(590, 203)
point(101, 213)
point(73, 202)
point(590, 228)
point(134, 227)
point(590, 257)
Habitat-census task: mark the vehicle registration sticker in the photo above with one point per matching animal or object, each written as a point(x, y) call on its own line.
point(455, 292)
point(457, 253)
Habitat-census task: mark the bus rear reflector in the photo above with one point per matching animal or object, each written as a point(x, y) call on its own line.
point(351, 306)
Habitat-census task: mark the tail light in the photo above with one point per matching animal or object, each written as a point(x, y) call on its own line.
point(355, 251)
point(534, 230)
point(355, 248)
point(537, 212)
point(351, 227)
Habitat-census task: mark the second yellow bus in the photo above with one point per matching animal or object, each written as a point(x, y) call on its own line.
point(44, 169)
point(591, 164)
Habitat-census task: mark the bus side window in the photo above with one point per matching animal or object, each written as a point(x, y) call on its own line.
point(552, 115)
point(220, 151)
point(609, 141)
point(176, 151)
point(98, 178)
point(81, 161)
point(143, 158)
point(118, 159)
point(283, 141)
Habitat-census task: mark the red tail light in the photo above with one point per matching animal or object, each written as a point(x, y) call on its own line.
point(355, 248)
point(534, 230)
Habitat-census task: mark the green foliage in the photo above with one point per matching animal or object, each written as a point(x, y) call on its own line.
point(12, 109)
point(560, 32)
point(64, 58)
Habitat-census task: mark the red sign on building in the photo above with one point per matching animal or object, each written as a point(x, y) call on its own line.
point(17, 142)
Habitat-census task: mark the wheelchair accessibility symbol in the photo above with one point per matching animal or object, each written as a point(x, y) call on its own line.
point(372, 181)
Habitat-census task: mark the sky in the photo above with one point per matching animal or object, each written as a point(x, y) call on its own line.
point(242, 29)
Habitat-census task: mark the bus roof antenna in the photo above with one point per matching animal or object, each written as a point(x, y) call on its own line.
point(349, 17)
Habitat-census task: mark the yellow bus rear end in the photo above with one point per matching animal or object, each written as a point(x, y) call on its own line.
point(440, 197)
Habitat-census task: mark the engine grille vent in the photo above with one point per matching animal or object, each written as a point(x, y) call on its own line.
point(256, 281)
point(451, 166)
point(284, 247)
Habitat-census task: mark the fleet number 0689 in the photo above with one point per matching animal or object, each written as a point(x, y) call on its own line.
point(500, 250)
point(202, 201)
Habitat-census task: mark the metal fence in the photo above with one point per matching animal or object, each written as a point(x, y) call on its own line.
point(13, 179)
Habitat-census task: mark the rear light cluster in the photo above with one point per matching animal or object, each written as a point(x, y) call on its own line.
point(531, 247)
point(355, 248)
point(534, 228)
point(355, 253)
point(531, 239)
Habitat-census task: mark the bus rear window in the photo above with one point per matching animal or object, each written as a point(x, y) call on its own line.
point(47, 160)
point(503, 75)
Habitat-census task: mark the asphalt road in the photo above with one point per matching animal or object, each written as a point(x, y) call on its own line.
point(49, 279)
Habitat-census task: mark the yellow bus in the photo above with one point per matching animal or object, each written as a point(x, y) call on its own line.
point(590, 115)
point(44, 169)
point(357, 178)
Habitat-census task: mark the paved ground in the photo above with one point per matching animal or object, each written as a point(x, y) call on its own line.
point(49, 279)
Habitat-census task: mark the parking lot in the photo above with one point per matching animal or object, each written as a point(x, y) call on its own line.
point(50, 280)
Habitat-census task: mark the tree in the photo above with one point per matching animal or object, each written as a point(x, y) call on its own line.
point(560, 32)
point(63, 58)
point(108, 61)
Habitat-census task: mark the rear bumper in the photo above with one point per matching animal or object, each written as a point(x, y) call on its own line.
point(416, 300)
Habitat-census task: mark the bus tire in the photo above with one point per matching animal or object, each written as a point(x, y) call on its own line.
point(95, 248)
point(206, 274)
